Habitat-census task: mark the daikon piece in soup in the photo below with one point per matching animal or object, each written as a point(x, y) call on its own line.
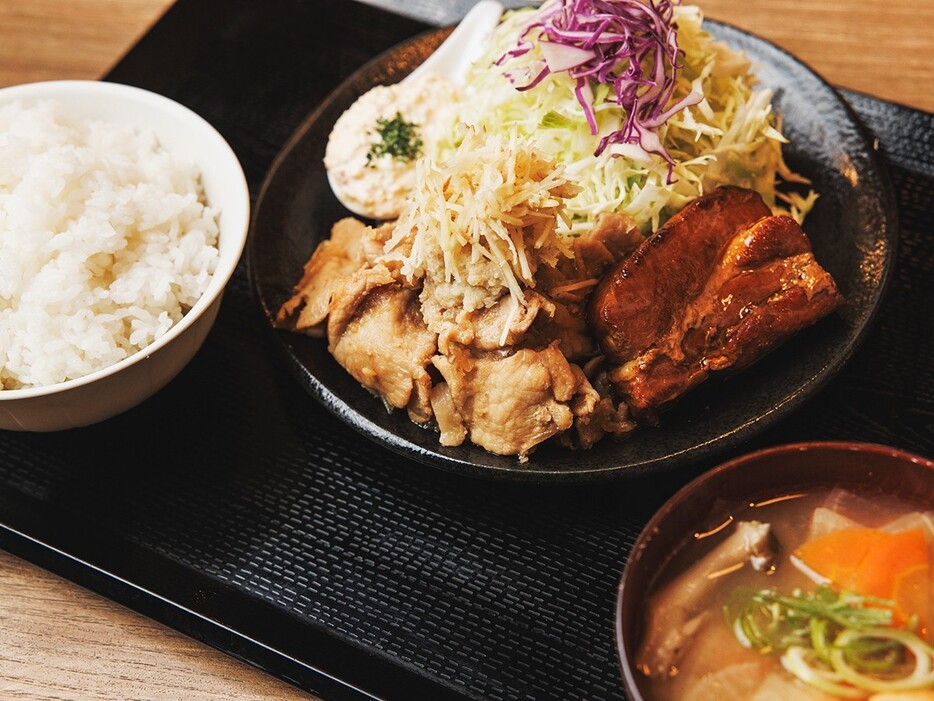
point(813, 595)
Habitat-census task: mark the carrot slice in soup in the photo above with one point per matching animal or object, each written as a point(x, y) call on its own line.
point(901, 572)
point(837, 556)
point(889, 559)
point(892, 566)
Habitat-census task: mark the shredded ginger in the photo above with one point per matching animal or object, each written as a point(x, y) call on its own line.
point(490, 211)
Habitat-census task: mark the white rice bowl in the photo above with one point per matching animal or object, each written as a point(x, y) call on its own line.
point(104, 243)
point(116, 243)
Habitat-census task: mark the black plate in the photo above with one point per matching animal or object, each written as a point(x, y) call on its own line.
point(852, 228)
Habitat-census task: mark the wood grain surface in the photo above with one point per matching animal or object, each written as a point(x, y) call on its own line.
point(879, 48)
point(59, 641)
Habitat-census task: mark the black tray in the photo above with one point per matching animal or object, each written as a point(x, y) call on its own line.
point(233, 508)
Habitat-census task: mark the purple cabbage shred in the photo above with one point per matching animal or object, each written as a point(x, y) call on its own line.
point(631, 45)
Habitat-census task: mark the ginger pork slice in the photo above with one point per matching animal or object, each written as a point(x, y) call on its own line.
point(508, 405)
point(352, 245)
point(376, 332)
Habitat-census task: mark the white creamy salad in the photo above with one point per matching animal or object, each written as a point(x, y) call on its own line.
point(379, 184)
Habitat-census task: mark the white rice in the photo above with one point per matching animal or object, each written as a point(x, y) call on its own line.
point(105, 243)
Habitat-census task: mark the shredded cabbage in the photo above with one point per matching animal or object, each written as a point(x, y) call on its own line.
point(731, 136)
point(631, 45)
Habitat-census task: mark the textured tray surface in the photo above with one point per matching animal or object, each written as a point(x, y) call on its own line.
point(233, 495)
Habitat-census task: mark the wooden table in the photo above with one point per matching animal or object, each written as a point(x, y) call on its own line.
point(59, 641)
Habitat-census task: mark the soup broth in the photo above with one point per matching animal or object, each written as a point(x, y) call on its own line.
point(726, 618)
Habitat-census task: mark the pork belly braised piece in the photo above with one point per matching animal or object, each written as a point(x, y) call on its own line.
point(716, 288)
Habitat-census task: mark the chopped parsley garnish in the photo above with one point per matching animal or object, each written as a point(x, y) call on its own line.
point(397, 138)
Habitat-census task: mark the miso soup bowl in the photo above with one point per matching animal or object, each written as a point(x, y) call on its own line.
point(117, 388)
point(769, 472)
